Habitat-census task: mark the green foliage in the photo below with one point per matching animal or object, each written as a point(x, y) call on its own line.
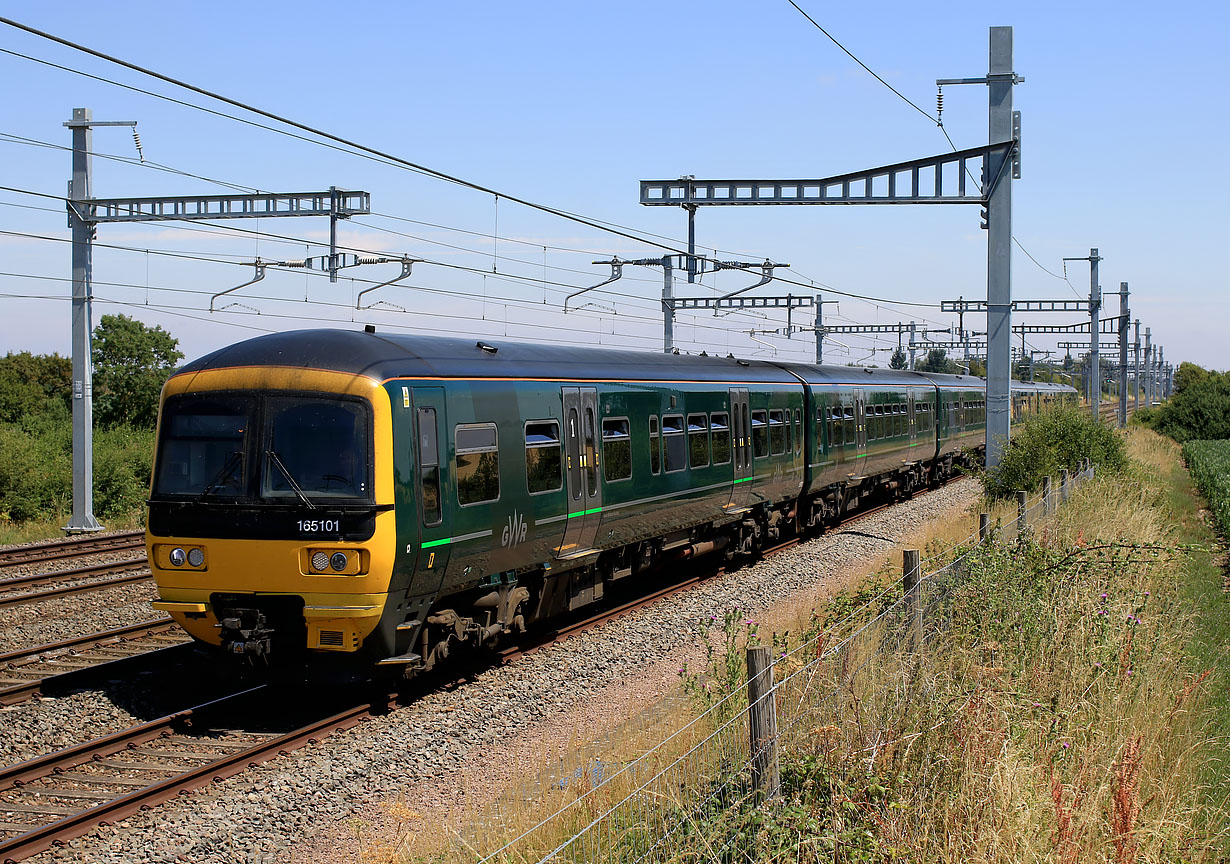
point(32, 384)
point(1199, 408)
point(899, 360)
point(1209, 464)
point(1048, 442)
point(36, 473)
point(131, 363)
point(937, 361)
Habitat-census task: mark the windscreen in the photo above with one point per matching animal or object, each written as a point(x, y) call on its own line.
point(256, 446)
point(203, 448)
point(318, 445)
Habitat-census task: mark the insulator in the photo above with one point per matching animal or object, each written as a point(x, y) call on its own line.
point(939, 106)
point(298, 262)
point(370, 259)
point(136, 139)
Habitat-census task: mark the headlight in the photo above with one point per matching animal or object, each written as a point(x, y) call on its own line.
point(338, 561)
point(196, 557)
point(320, 561)
point(178, 557)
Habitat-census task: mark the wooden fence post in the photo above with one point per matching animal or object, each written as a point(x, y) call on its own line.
point(911, 574)
point(1022, 521)
point(984, 527)
point(762, 723)
point(1046, 495)
point(1065, 482)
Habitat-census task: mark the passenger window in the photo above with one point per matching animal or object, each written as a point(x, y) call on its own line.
point(698, 440)
point(777, 432)
point(542, 456)
point(655, 449)
point(478, 463)
point(851, 434)
point(798, 431)
point(591, 454)
point(760, 434)
point(429, 467)
point(720, 432)
point(673, 443)
point(616, 449)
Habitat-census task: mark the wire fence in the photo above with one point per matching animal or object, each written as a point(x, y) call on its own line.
point(845, 688)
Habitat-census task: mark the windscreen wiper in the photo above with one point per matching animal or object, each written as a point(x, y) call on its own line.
point(277, 460)
point(231, 463)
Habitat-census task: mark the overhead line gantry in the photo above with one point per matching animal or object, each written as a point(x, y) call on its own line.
point(918, 181)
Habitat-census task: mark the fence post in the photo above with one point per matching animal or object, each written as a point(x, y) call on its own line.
point(1090, 461)
point(762, 723)
point(1046, 495)
point(911, 574)
point(1064, 484)
point(1022, 499)
point(984, 527)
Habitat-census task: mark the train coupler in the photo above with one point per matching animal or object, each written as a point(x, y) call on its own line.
point(245, 632)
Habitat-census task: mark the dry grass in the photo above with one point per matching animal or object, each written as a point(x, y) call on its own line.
point(1055, 716)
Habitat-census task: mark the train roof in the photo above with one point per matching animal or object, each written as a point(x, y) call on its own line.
point(384, 356)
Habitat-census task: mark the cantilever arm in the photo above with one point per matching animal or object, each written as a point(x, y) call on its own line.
point(407, 264)
point(617, 270)
point(766, 276)
point(260, 274)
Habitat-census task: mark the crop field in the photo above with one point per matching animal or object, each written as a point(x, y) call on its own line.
point(1209, 464)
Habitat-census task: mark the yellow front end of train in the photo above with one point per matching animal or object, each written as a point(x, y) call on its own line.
point(272, 531)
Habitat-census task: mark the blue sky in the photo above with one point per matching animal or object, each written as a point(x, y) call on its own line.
point(570, 105)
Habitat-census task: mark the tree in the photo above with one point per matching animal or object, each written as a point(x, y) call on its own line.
point(32, 384)
point(1199, 406)
point(899, 359)
point(937, 361)
point(131, 363)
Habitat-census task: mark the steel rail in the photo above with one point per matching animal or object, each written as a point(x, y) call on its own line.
point(53, 576)
point(19, 691)
point(43, 837)
point(19, 599)
point(75, 548)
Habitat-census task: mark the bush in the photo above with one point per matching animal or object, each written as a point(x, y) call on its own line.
point(1209, 464)
point(36, 473)
point(1199, 407)
point(1046, 443)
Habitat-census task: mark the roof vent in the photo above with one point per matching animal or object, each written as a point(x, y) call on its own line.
point(743, 363)
point(483, 346)
point(369, 328)
point(867, 369)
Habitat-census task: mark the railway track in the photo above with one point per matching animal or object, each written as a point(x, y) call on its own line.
point(57, 550)
point(76, 662)
point(54, 798)
point(13, 591)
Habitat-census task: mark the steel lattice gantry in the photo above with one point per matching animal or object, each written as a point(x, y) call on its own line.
point(941, 179)
point(85, 212)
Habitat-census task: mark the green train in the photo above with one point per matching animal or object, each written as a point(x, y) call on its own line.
point(366, 499)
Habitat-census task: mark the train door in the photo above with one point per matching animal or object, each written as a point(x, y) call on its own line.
point(911, 421)
point(581, 466)
point(431, 457)
point(860, 425)
point(741, 440)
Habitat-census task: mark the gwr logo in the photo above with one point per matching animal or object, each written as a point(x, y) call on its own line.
point(515, 530)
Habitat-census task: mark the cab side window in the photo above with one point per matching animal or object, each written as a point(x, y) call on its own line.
point(429, 467)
